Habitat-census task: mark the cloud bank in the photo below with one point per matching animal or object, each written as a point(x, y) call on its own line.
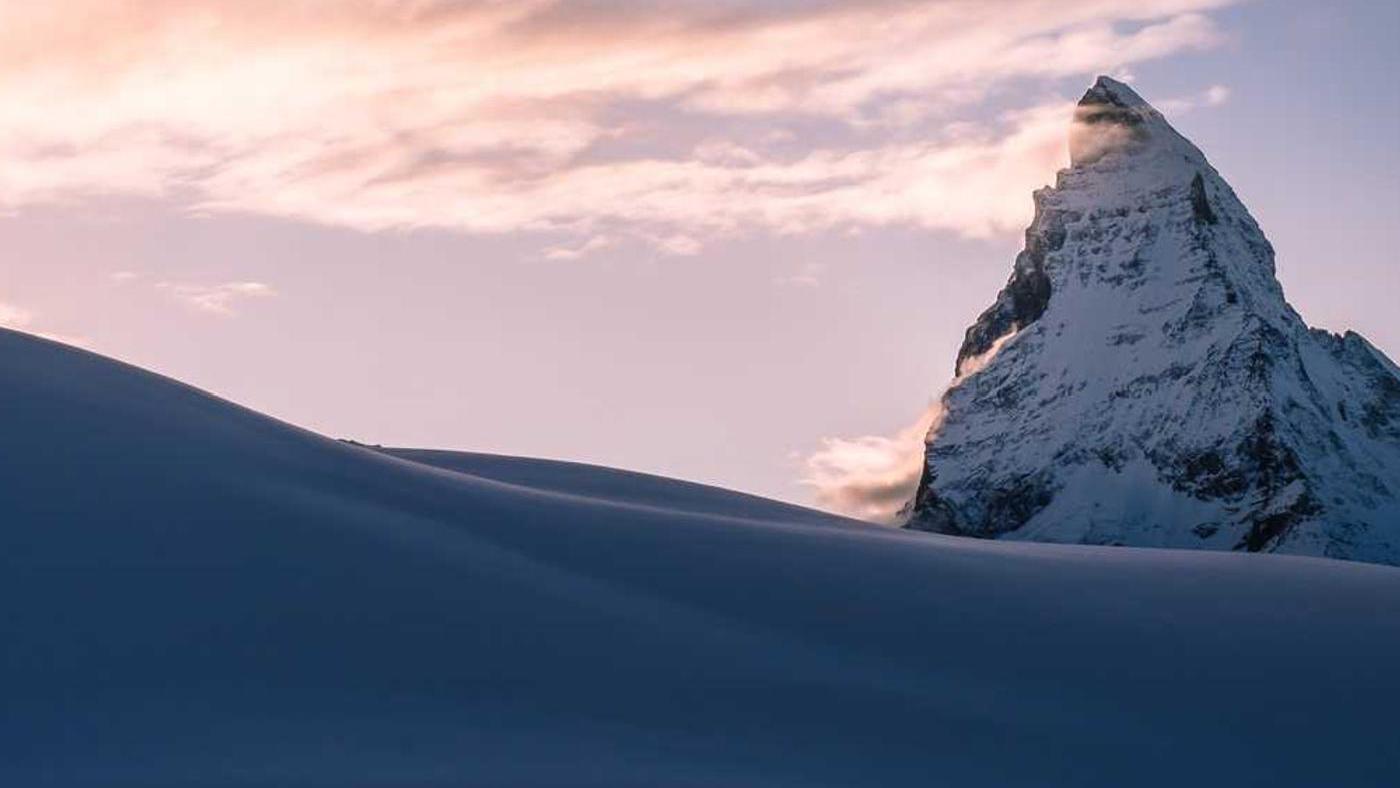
point(660, 122)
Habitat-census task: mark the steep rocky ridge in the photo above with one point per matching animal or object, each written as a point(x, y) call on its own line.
point(1141, 379)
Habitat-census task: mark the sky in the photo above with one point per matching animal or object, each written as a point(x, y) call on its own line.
point(726, 241)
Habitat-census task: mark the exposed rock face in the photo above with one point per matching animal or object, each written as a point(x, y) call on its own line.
point(1150, 385)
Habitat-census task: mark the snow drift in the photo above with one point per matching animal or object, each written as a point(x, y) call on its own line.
point(194, 594)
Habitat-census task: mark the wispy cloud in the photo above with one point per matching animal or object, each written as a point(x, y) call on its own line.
point(216, 299)
point(15, 317)
point(20, 319)
point(573, 252)
point(807, 275)
point(12, 316)
point(594, 118)
point(1216, 95)
point(1213, 96)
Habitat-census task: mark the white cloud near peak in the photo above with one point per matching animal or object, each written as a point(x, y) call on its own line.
point(1213, 96)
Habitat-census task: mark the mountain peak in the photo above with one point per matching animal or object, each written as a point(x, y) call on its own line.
point(1107, 90)
point(1111, 117)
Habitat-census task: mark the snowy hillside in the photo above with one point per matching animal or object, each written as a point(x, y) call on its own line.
point(1142, 381)
point(193, 594)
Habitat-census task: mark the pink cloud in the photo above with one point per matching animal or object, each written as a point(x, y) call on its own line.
point(216, 299)
point(489, 116)
point(17, 318)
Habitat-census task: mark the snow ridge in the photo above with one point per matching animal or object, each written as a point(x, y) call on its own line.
point(1157, 389)
point(195, 594)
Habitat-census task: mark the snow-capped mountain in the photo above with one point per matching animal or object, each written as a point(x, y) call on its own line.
point(1141, 380)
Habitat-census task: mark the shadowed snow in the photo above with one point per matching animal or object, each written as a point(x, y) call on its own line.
point(195, 594)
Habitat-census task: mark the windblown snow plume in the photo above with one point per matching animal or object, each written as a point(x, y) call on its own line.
point(873, 477)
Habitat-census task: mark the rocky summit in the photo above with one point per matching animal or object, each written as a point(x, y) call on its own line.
point(1141, 379)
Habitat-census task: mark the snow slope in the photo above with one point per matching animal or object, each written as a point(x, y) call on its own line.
point(600, 484)
point(1142, 381)
point(192, 594)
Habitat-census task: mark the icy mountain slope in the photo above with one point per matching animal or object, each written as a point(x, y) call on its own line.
point(1142, 381)
point(193, 594)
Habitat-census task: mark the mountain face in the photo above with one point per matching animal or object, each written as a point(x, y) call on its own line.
point(1141, 380)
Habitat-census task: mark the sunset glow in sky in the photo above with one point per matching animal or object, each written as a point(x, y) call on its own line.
point(692, 238)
